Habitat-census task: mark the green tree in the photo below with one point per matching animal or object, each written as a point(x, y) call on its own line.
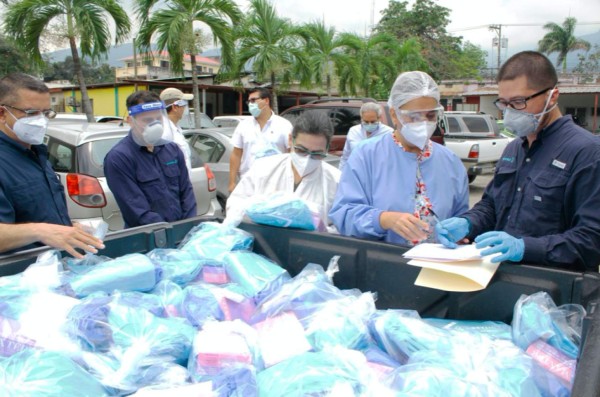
point(426, 22)
point(561, 39)
point(171, 23)
point(375, 62)
point(64, 71)
point(589, 65)
point(11, 58)
point(272, 45)
point(326, 52)
point(85, 22)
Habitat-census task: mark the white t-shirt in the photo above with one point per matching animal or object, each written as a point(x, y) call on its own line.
point(180, 140)
point(252, 140)
point(274, 174)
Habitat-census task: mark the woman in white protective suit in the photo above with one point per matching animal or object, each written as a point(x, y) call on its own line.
point(301, 173)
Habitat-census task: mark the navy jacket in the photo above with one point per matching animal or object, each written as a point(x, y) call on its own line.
point(30, 191)
point(549, 195)
point(149, 186)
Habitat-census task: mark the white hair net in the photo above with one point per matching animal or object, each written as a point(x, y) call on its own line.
point(412, 85)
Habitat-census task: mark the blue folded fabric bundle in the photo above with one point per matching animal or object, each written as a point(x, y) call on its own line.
point(237, 381)
point(133, 272)
point(177, 265)
point(493, 329)
point(40, 373)
point(198, 304)
point(211, 240)
point(313, 374)
point(88, 323)
point(257, 275)
point(293, 213)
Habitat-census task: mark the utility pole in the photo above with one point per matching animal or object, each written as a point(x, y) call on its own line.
point(498, 29)
point(135, 74)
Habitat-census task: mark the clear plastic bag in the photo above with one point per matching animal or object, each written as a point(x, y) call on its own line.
point(537, 317)
point(178, 266)
point(212, 240)
point(41, 373)
point(285, 210)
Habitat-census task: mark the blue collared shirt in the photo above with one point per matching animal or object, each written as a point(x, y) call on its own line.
point(380, 176)
point(149, 186)
point(549, 195)
point(30, 190)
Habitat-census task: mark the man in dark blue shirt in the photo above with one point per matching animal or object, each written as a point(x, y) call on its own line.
point(32, 202)
point(146, 171)
point(543, 205)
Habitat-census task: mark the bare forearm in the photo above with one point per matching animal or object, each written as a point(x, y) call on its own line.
point(16, 236)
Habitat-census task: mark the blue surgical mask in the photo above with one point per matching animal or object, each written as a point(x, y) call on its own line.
point(254, 109)
point(370, 128)
point(523, 123)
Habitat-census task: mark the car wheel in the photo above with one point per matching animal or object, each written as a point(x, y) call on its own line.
point(472, 178)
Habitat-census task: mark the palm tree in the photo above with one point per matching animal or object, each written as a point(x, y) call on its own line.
point(84, 22)
point(272, 45)
point(326, 51)
point(561, 39)
point(173, 27)
point(375, 63)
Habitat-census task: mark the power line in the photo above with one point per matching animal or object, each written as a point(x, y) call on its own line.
point(513, 24)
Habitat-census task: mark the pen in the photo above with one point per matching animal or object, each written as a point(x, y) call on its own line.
point(434, 215)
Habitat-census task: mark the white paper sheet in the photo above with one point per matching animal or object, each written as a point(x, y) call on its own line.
point(439, 253)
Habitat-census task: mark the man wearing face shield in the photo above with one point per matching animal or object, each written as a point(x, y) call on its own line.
point(146, 171)
point(542, 207)
point(177, 106)
point(302, 172)
point(33, 209)
point(396, 186)
point(370, 126)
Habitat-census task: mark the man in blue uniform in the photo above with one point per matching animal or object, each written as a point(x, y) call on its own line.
point(542, 206)
point(33, 209)
point(146, 171)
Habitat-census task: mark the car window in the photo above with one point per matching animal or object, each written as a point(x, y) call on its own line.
point(187, 123)
point(343, 119)
point(207, 148)
point(453, 126)
point(61, 156)
point(91, 155)
point(227, 122)
point(476, 124)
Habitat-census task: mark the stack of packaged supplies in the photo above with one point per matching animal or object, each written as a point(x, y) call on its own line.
point(213, 318)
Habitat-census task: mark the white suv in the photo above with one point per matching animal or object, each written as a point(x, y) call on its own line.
point(76, 152)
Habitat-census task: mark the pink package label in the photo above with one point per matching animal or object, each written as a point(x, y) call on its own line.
point(553, 360)
point(215, 275)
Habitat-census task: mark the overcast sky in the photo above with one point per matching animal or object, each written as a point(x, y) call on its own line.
point(356, 15)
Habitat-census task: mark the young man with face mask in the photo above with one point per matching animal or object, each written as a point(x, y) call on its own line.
point(262, 135)
point(370, 126)
point(396, 186)
point(146, 171)
point(542, 207)
point(177, 106)
point(33, 210)
point(302, 172)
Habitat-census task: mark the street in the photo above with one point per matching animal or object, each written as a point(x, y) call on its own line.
point(477, 187)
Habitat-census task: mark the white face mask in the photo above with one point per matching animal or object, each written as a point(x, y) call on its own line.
point(31, 129)
point(418, 133)
point(254, 109)
point(153, 133)
point(304, 165)
point(523, 123)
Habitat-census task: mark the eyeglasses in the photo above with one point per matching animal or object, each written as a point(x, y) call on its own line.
point(415, 116)
point(517, 103)
point(302, 151)
point(48, 113)
point(253, 100)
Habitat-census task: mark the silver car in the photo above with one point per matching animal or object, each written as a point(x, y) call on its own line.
point(76, 152)
point(213, 146)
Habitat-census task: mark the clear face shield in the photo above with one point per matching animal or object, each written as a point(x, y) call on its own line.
point(150, 124)
point(186, 116)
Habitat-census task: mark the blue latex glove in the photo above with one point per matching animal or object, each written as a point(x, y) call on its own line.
point(451, 230)
point(512, 248)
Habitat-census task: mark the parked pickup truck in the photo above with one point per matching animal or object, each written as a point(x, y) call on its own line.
point(380, 267)
point(475, 138)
